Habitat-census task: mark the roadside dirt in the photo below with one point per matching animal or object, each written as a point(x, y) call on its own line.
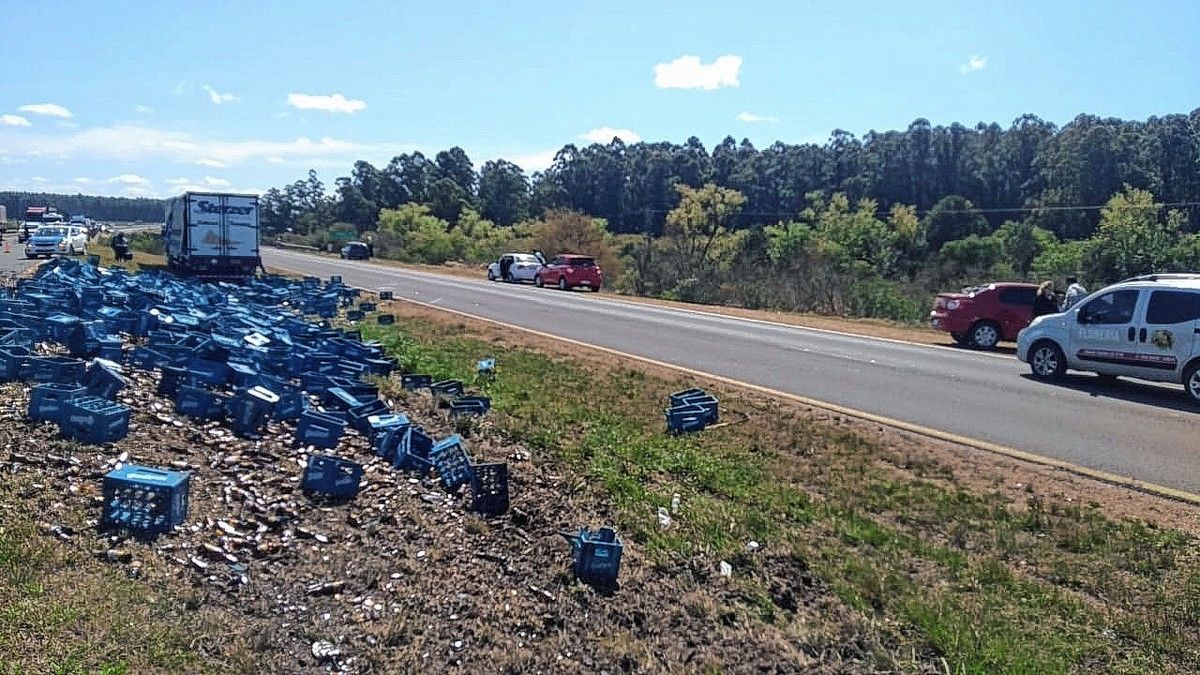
point(906, 453)
point(404, 577)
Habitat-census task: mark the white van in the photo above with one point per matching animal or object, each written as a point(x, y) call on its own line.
point(1146, 327)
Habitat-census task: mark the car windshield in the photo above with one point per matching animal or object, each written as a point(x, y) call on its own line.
point(524, 258)
point(581, 262)
point(51, 232)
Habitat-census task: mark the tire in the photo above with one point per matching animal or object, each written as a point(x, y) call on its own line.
point(1047, 361)
point(595, 289)
point(962, 339)
point(508, 277)
point(537, 281)
point(562, 284)
point(985, 335)
point(1191, 382)
point(491, 277)
point(71, 249)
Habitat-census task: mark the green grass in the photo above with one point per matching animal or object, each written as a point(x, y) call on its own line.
point(971, 577)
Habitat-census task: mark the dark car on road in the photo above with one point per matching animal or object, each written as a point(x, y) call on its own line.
point(356, 250)
point(982, 316)
point(571, 271)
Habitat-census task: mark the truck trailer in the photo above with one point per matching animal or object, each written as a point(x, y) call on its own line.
point(212, 235)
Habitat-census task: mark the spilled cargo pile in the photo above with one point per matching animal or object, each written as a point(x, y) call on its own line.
point(212, 434)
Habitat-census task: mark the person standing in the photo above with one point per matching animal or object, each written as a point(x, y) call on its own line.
point(1075, 293)
point(1045, 302)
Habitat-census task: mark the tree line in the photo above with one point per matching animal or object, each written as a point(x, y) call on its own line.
point(118, 209)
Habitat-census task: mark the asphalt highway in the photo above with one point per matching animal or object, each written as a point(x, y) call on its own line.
point(1143, 431)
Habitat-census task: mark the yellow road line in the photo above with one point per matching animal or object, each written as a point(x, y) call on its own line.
point(988, 446)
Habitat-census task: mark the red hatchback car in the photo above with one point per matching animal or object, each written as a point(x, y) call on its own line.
point(982, 316)
point(571, 271)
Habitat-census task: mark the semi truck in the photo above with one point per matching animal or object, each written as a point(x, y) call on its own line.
point(212, 235)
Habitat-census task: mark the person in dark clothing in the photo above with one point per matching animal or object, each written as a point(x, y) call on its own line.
point(1045, 302)
point(120, 247)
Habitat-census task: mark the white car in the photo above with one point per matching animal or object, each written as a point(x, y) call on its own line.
point(1146, 327)
point(514, 267)
point(48, 240)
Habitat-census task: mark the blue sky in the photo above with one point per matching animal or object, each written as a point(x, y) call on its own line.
point(133, 98)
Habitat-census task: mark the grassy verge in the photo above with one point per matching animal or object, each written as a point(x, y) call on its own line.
point(64, 612)
point(977, 578)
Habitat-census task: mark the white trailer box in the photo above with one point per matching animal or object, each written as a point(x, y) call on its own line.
point(212, 235)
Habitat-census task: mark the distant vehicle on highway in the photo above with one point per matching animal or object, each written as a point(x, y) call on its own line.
point(1147, 327)
point(982, 316)
point(356, 250)
point(571, 271)
point(515, 267)
point(56, 239)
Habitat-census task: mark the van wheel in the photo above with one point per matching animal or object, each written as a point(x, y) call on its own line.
point(1191, 382)
point(985, 335)
point(1046, 361)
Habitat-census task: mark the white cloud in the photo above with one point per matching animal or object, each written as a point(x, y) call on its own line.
point(217, 97)
point(973, 64)
point(38, 179)
point(687, 72)
point(534, 161)
point(128, 179)
point(177, 181)
point(83, 181)
point(751, 118)
point(210, 162)
point(215, 182)
point(334, 103)
point(606, 134)
point(51, 109)
point(143, 110)
point(15, 121)
point(275, 160)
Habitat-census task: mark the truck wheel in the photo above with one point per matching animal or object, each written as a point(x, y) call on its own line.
point(1046, 361)
point(985, 335)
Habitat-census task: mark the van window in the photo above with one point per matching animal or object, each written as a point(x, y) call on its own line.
point(1169, 307)
point(1114, 307)
point(1018, 296)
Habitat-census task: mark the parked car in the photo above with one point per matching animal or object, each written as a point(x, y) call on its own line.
point(51, 239)
point(356, 250)
point(982, 316)
point(571, 271)
point(514, 267)
point(1146, 327)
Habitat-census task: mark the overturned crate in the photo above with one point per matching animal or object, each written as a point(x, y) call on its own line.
point(597, 555)
point(489, 488)
point(331, 476)
point(96, 420)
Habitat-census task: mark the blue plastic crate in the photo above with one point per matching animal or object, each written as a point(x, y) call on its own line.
point(470, 405)
point(150, 358)
point(338, 397)
point(385, 319)
point(486, 367)
point(680, 397)
point(685, 418)
point(380, 366)
point(92, 419)
point(709, 403)
point(250, 409)
point(172, 378)
point(320, 429)
point(291, 404)
point(338, 478)
point(360, 415)
point(378, 425)
point(355, 315)
point(489, 488)
point(199, 402)
point(145, 499)
point(209, 372)
point(366, 306)
point(409, 448)
point(449, 457)
point(63, 328)
point(597, 555)
point(14, 363)
point(447, 388)
point(385, 295)
point(104, 379)
point(56, 369)
point(48, 401)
